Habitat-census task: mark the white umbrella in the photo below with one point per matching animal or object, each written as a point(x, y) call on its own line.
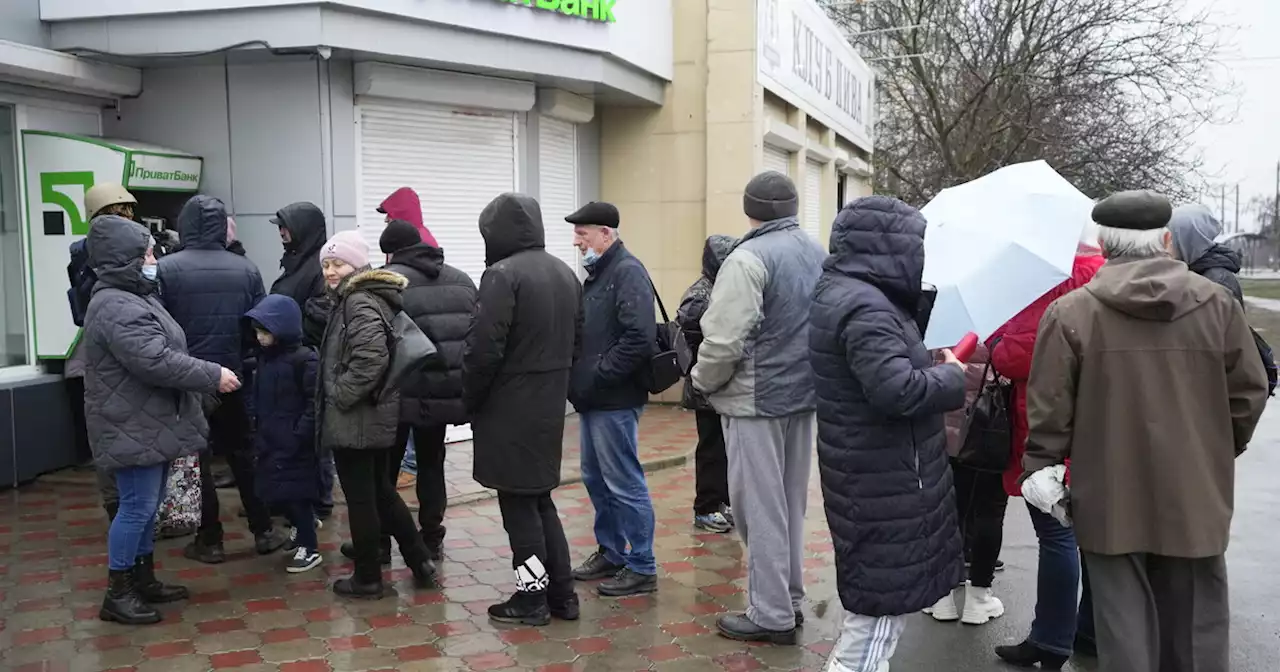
point(996, 244)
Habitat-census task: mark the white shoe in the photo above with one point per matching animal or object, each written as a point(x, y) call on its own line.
point(945, 609)
point(980, 606)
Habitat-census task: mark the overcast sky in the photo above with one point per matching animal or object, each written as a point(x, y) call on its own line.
point(1246, 150)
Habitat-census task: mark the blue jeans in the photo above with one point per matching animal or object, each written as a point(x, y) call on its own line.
point(409, 464)
point(133, 532)
point(1057, 585)
point(615, 481)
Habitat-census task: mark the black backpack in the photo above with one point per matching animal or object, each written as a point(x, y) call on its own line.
point(988, 427)
point(81, 278)
point(1268, 361)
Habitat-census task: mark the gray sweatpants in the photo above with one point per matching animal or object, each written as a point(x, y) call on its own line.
point(769, 461)
point(1159, 614)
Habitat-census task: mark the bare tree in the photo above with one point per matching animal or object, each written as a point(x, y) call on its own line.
point(1109, 92)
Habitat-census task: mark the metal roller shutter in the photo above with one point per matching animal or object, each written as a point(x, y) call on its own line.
point(812, 223)
point(558, 185)
point(456, 160)
point(777, 159)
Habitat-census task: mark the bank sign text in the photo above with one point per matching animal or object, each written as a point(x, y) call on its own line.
point(593, 10)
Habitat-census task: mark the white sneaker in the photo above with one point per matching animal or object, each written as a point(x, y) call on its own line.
point(980, 606)
point(945, 609)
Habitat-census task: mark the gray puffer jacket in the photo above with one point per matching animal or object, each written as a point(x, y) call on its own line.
point(143, 391)
point(754, 357)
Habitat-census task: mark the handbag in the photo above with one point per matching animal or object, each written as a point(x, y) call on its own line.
point(988, 427)
point(181, 506)
point(665, 369)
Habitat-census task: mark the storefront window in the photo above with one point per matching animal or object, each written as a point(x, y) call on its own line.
point(13, 311)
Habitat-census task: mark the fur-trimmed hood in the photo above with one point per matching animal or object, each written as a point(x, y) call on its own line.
point(386, 285)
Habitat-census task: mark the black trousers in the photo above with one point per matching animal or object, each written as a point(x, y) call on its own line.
point(711, 465)
point(982, 501)
point(75, 396)
point(372, 506)
point(539, 549)
point(229, 437)
point(428, 444)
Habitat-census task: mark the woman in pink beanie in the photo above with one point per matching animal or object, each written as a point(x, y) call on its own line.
point(360, 415)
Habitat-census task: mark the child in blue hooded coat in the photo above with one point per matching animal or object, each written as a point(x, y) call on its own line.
point(281, 399)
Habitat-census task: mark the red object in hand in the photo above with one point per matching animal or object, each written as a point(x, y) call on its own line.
point(966, 347)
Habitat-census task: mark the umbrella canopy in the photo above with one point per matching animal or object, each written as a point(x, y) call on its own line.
point(996, 244)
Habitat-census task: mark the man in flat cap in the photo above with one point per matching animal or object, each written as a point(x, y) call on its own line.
point(1148, 379)
point(609, 390)
point(753, 365)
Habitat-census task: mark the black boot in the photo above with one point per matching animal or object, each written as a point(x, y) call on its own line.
point(269, 542)
point(206, 552)
point(354, 588)
point(522, 609)
point(1027, 654)
point(150, 588)
point(564, 608)
point(122, 603)
point(424, 573)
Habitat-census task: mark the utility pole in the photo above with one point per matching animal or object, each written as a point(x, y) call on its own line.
point(1275, 203)
point(1236, 228)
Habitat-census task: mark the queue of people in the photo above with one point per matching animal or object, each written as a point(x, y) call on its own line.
point(790, 345)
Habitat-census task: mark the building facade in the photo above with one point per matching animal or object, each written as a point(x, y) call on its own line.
point(665, 108)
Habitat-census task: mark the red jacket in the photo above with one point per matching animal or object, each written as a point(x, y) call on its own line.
point(403, 204)
point(1011, 356)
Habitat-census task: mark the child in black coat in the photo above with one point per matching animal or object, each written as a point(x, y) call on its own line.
point(281, 399)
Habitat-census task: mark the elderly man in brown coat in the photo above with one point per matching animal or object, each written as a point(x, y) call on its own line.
point(1149, 381)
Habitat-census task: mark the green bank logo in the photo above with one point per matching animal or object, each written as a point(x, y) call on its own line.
point(592, 10)
point(142, 174)
point(55, 221)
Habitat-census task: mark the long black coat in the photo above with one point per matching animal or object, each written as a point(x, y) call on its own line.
point(440, 299)
point(520, 350)
point(882, 454)
point(618, 334)
point(206, 287)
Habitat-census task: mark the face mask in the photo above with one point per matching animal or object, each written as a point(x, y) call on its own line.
point(590, 257)
point(150, 271)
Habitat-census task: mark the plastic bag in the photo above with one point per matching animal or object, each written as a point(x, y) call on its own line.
point(181, 506)
point(1046, 490)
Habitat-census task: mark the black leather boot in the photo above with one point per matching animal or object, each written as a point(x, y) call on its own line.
point(1027, 654)
point(354, 588)
point(424, 573)
point(522, 609)
point(122, 604)
point(150, 588)
point(564, 607)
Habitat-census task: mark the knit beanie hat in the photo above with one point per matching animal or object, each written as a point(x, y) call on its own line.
point(398, 235)
point(769, 196)
point(348, 246)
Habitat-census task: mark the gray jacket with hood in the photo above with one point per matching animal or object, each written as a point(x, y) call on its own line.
point(754, 357)
point(142, 390)
point(1194, 229)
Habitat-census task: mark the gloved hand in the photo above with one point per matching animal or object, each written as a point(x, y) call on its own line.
point(1046, 490)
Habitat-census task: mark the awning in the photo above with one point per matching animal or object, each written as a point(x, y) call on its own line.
point(64, 72)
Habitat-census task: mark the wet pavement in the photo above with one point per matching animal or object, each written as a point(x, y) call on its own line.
point(248, 614)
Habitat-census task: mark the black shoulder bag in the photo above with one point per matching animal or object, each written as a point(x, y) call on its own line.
point(665, 367)
point(988, 427)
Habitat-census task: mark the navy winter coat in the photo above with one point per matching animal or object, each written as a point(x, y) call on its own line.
point(206, 287)
point(882, 443)
point(618, 335)
point(281, 400)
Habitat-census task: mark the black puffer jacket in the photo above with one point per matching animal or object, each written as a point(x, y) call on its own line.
point(618, 334)
point(882, 444)
point(206, 287)
point(520, 351)
point(356, 410)
point(301, 278)
point(1220, 264)
point(694, 304)
point(441, 300)
point(142, 398)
